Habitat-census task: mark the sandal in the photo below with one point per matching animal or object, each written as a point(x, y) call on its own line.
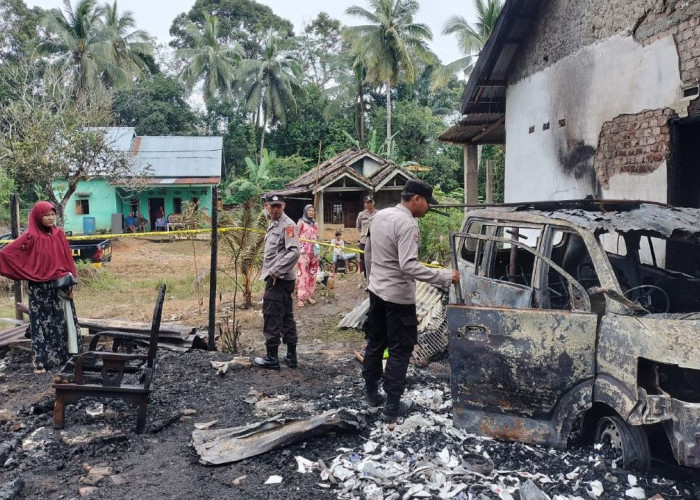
point(311, 301)
point(300, 303)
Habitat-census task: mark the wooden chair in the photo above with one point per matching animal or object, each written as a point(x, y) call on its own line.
point(113, 366)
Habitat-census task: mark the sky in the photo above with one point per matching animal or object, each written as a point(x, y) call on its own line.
point(155, 16)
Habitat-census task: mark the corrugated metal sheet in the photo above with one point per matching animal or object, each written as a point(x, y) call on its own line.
point(428, 307)
point(181, 156)
point(432, 328)
point(10, 335)
point(119, 138)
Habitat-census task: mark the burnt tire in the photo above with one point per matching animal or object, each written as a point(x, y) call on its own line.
point(327, 266)
point(628, 441)
point(352, 266)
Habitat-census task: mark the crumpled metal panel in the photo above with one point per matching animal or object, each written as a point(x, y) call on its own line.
point(650, 218)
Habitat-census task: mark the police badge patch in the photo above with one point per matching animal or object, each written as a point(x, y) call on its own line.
point(290, 231)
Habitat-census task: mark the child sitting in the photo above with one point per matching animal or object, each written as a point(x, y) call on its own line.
point(338, 245)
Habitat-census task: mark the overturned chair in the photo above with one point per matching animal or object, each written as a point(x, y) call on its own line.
point(109, 369)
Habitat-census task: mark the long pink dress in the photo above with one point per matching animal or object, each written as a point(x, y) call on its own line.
point(308, 262)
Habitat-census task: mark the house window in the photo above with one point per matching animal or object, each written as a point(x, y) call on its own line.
point(134, 203)
point(177, 205)
point(195, 203)
point(82, 207)
point(337, 217)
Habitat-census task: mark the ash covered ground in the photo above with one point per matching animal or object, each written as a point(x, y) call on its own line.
point(424, 455)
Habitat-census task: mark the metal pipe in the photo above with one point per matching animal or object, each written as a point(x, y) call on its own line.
point(213, 266)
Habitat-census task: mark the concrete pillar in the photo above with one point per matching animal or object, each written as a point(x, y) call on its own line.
point(489, 181)
point(471, 174)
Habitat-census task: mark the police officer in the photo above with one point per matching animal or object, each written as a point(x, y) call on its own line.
point(279, 272)
point(392, 265)
point(362, 225)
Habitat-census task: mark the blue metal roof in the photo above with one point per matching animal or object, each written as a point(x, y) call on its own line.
point(180, 156)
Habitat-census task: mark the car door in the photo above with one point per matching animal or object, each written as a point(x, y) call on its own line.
point(518, 370)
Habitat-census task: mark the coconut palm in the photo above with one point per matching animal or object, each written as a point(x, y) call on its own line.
point(78, 38)
point(271, 85)
point(351, 91)
point(390, 43)
point(94, 46)
point(470, 39)
point(209, 60)
point(128, 45)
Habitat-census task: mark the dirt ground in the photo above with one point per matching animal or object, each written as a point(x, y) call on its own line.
point(99, 455)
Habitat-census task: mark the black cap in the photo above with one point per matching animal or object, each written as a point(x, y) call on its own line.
point(416, 186)
point(368, 198)
point(274, 198)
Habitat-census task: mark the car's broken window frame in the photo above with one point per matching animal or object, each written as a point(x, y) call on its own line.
point(580, 300)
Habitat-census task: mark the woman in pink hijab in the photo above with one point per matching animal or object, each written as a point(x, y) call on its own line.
point(42, 256)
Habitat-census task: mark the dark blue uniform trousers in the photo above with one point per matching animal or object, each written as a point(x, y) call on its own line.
point(278, 316)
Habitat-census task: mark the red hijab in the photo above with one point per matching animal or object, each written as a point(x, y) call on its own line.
point(40, 254)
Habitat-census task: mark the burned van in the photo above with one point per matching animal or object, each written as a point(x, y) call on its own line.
point(580, 319)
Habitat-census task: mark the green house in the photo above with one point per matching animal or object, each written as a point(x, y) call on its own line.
point(180, 170)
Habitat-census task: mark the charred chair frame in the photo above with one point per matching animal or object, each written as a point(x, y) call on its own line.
point(113, 367)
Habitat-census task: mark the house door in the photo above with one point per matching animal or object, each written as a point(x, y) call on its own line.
point(155, 207)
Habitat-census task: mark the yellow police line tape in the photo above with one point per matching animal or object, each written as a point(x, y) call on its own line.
point(202, 231)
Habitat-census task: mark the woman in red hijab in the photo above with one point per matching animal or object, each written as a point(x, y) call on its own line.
point(41, 256)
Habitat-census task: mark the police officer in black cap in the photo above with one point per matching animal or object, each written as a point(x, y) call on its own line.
point(279, 272)
point(391, 257)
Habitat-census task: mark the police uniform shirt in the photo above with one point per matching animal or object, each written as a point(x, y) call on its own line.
point(362, 224)
point(393, 256)
point(281, 249)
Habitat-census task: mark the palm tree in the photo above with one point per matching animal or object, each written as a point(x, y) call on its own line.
point(350, 92)
point(128, 45)
point(390, 43)
point(209, 60)
point(79, 42)
point(271, 85)
point(470, 39)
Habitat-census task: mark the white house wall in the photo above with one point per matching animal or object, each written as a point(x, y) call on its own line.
point(554, 119)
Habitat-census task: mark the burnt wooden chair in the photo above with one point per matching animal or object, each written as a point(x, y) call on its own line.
point(114, 365)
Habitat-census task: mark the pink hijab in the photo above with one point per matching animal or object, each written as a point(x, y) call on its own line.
point(40, 254)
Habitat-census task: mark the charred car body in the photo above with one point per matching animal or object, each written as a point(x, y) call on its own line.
point(580, 318)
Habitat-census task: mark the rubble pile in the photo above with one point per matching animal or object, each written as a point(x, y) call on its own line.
point(424, 456)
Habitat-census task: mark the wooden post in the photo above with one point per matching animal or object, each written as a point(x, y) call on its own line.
point(14, 217)
point(213, 266)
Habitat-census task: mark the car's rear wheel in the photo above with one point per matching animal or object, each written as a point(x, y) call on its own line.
point(629, 442)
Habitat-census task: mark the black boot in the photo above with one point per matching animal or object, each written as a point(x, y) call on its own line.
point(270, 361)
point(395, 407)
point(374, 397)
point(291, 357)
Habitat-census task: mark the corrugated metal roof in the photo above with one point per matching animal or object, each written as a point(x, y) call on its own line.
point(176, 180)
point(334, 168)
point(181, 156)
point(119, 138)
point(485, 93)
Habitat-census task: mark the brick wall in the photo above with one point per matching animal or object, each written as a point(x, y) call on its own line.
point(635, 144)
point(687, 38)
